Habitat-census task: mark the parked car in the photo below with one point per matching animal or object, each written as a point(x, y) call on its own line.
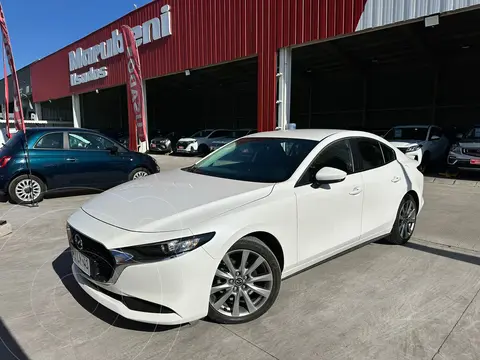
point(163, 143)
point(465, 153)
point(267, 206)
point(62, 158)
point(233, 135)
point(424, 143)
point(199, 143)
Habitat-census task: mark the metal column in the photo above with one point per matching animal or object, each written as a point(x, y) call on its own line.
point(77, 111)
point(284, 87)
point(38, 111)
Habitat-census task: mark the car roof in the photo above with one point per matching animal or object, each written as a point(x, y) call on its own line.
point(307, 134)
point(53, 128)
point(413, 126)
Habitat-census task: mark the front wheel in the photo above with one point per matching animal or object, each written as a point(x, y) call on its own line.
point(246, 283)
point(424, 164)
point(405, 222)
point(138, 173)
point(26, 188)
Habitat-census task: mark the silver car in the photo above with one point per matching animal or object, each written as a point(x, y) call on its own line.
point(465, 153)
point(233, 135)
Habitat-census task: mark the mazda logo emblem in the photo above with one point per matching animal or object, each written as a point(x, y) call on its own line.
point(77, 240)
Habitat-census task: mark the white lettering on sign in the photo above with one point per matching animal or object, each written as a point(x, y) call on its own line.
point(146, 33)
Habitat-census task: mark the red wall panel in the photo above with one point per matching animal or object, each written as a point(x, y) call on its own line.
point(207, 32)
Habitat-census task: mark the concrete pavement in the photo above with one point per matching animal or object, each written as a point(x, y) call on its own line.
point(418, 301)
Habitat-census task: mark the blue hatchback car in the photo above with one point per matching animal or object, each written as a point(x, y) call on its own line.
point(67, 158)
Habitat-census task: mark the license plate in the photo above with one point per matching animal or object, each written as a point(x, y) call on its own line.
point(81, 261)
point(181, 147)
point(475, 162)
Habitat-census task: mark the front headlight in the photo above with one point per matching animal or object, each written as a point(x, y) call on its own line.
point(160, 251)
point(413, 148)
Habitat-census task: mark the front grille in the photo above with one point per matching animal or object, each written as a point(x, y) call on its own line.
point(472, 152)
point(102, 261)
point(134, 303)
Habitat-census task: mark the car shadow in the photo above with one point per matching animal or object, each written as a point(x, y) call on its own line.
point(10, 349)
point(62, 265)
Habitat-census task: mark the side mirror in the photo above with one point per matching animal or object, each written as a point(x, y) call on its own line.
point(459, 136)
point(113, 150)
point(435, 137)
point(329, 175)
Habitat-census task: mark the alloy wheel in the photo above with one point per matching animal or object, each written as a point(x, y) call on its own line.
point(28, 190)
point(407, 219)
point(242, 284)
point(139, 174)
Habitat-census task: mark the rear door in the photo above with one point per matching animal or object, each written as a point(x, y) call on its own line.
point(93, 164)
point(47, 157)
point(384, 185)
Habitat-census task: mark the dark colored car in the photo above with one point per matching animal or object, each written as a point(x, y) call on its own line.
point(62, 158)
point(163, 143)
point(464, 154)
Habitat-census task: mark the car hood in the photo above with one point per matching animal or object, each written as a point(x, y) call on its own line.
point(406, 143)
point(172, 200)
point(473, 143)
point(190, 139)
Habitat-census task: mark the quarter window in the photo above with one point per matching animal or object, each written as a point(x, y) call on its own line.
point(50, 141)
point(337, 155)
point(369, 154)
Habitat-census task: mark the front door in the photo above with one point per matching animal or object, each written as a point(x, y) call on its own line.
point(329, 216)
point(92, 163)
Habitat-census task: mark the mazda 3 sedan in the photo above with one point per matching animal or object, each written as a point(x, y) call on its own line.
point(215, 239)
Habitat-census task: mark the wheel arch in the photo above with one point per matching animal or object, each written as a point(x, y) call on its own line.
point(272, 243)
point(26, 172)
point(414, 194)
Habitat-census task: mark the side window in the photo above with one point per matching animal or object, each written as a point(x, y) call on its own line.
point(88, 141)
point(369, 154)
point(50, 141)
point(337, 155)
point(220, 133)
point(388, 153)
point(435, 131)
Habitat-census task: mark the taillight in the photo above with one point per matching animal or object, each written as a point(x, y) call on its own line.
point(4, 161)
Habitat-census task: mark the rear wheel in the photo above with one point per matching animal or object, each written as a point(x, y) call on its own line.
point(246, 283)
point(25, 189)
point(138, 173)
point(405, 222)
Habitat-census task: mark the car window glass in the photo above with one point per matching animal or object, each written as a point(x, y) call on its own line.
point(370, 154)
point(388, 153)
point(407, 133)
point(267, 160)
point(435, 132)
point(87, 141)
point(221, 133)
point(337, 155)
point(50, 141)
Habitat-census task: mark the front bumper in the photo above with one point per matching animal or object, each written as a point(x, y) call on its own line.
point(187, 149)
point(160, 148)
point(463, 162)
point(416, 155)
point(180, 287)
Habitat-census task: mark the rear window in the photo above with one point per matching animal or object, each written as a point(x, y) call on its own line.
point(16, 139)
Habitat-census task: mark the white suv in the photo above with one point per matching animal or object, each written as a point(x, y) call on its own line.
point(199, 143)
point(423, 143)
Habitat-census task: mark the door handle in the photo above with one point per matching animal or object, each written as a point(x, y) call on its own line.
point(356, 190)
point(71, 159)
point(396, 179)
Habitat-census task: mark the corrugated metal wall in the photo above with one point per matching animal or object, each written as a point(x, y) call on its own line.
point(385, 12)
point(208, 32)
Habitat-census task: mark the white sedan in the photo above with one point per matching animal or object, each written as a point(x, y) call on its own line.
point(215, 239)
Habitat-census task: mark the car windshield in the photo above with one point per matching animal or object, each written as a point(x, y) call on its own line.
point(202, 133)
point(473, 134)
point(265, 160)
point(407, 133)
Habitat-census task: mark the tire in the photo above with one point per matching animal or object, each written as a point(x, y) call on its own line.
point(222, 305)
point(399, 236)
point(203, 150)
point(18, 189)
point(138, 173)
point(425, 162)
